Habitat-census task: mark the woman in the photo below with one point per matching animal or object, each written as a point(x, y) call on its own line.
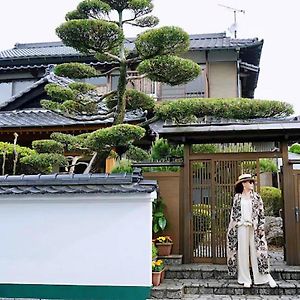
point(246, 232)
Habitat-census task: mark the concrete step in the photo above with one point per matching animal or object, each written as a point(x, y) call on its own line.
point(180, 288)
point(206, 271)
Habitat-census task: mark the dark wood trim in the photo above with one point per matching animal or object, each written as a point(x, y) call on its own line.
point(187, 249)
point(234, 156)
point(288, 200)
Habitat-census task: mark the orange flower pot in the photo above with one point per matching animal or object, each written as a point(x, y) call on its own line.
point(164, 249)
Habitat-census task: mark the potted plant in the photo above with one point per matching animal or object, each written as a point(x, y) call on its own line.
point(164, 245)
point(157, 271)
point(154, 252)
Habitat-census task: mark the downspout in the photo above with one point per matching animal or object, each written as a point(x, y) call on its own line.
point(207, 89)
point(239, 86)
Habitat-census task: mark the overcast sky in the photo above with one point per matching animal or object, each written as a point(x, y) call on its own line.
point(277, 22)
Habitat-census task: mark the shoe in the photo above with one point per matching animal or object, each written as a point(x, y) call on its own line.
point(247, 285)
point(272, 283)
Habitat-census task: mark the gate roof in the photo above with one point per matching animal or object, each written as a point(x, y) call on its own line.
point(207, 131)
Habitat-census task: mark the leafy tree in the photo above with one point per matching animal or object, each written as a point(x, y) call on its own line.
point(91, 29)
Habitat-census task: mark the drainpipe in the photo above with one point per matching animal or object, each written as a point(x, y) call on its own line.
point(239, 87)
point(207, 88)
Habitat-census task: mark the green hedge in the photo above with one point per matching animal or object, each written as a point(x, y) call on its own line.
point(235, 108)
point(272, 200)
point(48, 146)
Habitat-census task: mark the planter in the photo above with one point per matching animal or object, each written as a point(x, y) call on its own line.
point(164, 249)
point(156, 278)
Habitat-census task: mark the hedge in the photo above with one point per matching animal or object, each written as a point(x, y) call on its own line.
point(233, 108)
point(272, 199)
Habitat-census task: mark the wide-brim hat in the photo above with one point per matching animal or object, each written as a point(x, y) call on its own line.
point(244, 177)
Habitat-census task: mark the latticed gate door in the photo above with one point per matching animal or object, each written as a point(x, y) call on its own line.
point(212, 187)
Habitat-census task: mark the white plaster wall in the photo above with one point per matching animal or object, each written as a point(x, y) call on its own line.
point(79, 239)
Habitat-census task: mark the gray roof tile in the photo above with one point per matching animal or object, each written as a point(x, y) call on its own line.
point(56, 49)
point(46, 118)
point(75, 183)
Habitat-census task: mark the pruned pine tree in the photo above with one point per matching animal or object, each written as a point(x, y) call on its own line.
point(97, 28)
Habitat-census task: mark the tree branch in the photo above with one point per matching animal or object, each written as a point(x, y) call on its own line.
point(89, 167)
point(106, 95)
point(112, 56)
point(147, 122)
point(100, 117)
point(110, 71)
point(136, 77)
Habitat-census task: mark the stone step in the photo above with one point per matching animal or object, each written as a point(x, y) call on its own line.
point(206, 271)
point(172, 260)
point(181, 288)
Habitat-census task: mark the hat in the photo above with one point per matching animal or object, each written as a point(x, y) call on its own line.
point(244, 177)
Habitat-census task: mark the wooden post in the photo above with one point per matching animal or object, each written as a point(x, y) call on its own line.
point(187, 257)
point(289, 208)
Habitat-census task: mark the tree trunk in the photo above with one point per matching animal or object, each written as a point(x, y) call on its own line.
point(121, 107)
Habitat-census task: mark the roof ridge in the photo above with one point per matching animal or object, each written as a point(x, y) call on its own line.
point(39, 45)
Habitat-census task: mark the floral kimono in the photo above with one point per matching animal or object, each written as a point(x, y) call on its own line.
point(258, 221)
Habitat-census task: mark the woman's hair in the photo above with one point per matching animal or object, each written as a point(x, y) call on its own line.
point(239, 188)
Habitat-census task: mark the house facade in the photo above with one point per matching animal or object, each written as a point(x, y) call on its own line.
point(230, 68)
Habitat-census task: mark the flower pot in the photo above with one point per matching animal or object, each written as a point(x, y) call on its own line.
point(162, 276)
point(156, 278)
point(164, 249)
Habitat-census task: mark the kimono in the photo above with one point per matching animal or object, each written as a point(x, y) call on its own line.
point(258, 221)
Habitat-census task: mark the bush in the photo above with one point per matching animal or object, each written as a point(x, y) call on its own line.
point(137, 154)
point(272, 200)
point(160, 150)
point(48, 146)
point(134, 100)
point(235, 108)
point(43, 163)
point(122, 166)
point(267, 165)
point(75, 70)
point(59, 93)
point(118, 135)
point(159, 221)
point(295, 148)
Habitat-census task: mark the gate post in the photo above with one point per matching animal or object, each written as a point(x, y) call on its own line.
point(186, 216)
point(291, 240)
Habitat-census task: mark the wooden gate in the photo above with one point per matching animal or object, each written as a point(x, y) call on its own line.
point(212, 190)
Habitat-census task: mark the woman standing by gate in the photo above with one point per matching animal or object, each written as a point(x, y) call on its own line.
point(246, 233)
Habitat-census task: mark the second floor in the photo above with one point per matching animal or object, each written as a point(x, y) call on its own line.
point(230, 68)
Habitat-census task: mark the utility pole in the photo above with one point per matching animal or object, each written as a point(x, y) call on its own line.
point(235, 11)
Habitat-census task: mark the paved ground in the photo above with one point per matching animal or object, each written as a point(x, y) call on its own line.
point(221, 297)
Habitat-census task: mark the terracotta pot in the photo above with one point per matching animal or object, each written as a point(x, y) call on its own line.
point(164, 249)
point(162, 277)
point(156, 278)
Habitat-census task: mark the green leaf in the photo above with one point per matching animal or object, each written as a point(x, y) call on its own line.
point(162, 222)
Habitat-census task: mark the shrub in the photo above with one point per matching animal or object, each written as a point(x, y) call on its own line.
point(122, 166)
point(137, 154)
point(234, 108)
point(82, 87)
point(267, 165)
point(59, 93)
point(160, 150)
point(134, 100)
point(75, 70)
point(48, 146)
point(272, 200)
point(118, 135)
point(159, 221)
point(43, 163)
point(295, 148)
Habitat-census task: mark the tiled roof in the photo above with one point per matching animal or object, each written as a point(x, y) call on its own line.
point(52, 49)
point(230, 130)
point(49, 78)
point(46, 118)
point(219, 41)
point(75, 183)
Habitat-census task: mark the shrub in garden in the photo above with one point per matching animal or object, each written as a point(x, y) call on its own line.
point(272, 199)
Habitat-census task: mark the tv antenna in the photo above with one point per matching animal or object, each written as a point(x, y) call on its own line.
point(233, 27)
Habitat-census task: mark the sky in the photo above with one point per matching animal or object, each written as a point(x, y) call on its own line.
point(276, 22)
